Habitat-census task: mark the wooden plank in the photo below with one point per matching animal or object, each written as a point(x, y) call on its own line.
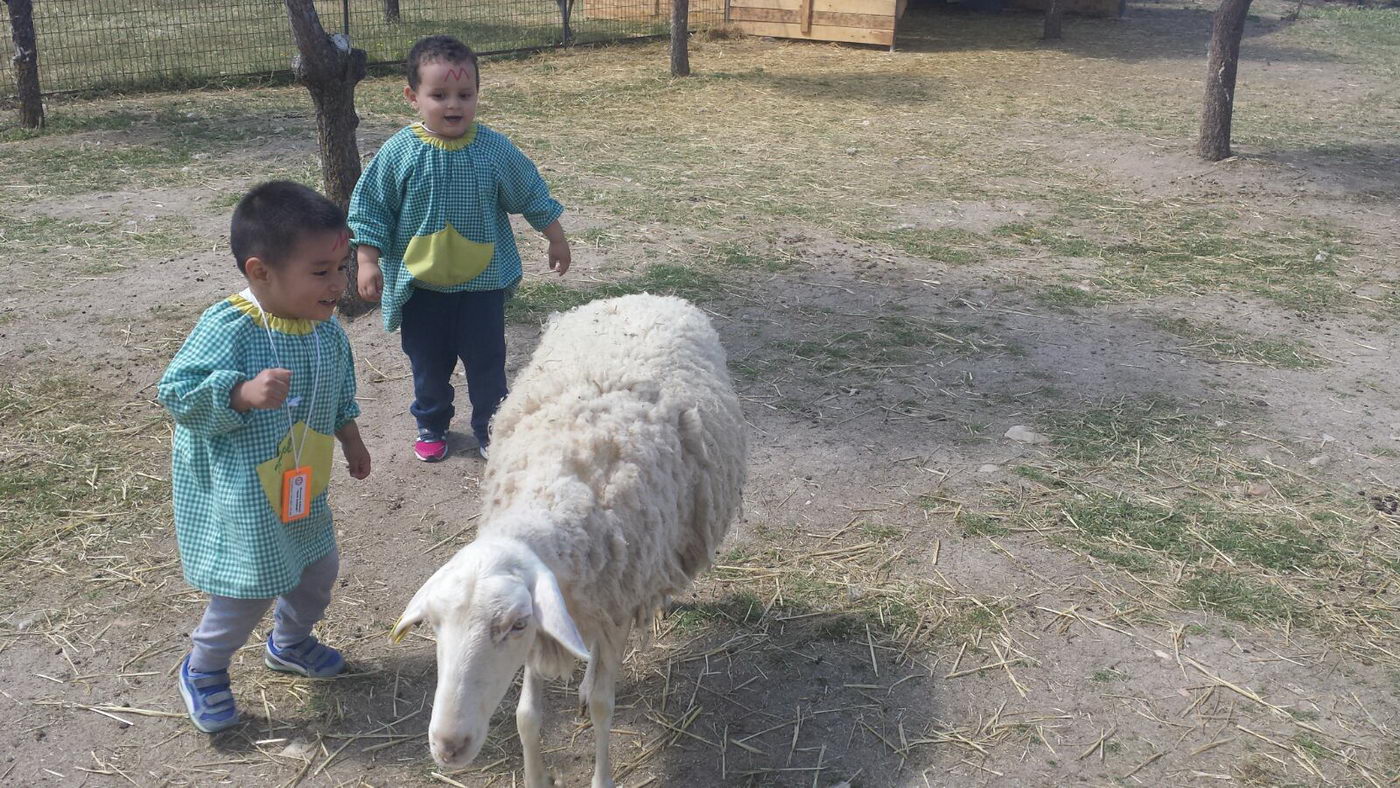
point(643, 9)
point(851, 35)
point(804, 16)
point(870, 21)
point(876, 7)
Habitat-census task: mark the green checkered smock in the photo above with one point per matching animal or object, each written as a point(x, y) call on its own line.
point(439, 212)
point(226, 467)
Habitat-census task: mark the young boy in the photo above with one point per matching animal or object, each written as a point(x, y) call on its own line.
point(257, 390)
point(431, 216)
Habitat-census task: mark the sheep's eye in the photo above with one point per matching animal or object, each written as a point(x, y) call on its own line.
point(519, 625)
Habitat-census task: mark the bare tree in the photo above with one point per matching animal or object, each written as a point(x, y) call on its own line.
point(1221, 68)
point(330, 68)
point(680, 38)
point(26, 60)
point(1054, 18)
point(391, 11)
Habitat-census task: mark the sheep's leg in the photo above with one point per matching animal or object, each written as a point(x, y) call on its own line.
point(585, 685)
point(601, 691)
point(528, 715)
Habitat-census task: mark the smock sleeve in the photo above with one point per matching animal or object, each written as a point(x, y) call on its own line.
point(375, 203)
point(196, 386)
point(523, 191)
point(347, 409)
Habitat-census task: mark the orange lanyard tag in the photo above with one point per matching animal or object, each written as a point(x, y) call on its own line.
point(296, 494)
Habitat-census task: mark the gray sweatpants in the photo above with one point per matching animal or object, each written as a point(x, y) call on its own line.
point(229, 621)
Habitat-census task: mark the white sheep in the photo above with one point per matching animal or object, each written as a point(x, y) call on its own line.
point(616, 466)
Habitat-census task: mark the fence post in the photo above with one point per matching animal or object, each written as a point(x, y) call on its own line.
point(26, 60)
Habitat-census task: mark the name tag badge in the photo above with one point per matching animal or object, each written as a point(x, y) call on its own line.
point(296, 494)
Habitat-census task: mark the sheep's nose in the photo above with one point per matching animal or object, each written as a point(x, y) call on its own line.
point(451, 749)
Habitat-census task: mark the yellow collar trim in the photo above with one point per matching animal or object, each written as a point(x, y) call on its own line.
point(283, 324)
point(438, 142)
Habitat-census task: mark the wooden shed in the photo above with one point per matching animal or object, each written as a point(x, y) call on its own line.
point(852, 21)
point(656, 11)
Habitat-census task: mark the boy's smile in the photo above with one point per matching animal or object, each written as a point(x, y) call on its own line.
point(446, 97)
point(308, 283)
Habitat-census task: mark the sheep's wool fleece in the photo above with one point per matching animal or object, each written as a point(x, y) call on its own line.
point(626, 430)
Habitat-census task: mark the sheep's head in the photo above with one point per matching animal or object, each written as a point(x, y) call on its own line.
point(487, 606)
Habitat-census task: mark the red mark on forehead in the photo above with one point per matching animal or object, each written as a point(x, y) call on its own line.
point(341, 241)
point(458, 73)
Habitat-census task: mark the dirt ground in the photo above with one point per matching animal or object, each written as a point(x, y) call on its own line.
point(1186, 575)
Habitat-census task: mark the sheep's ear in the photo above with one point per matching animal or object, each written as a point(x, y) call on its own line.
point(412, 615)
point(554, 615)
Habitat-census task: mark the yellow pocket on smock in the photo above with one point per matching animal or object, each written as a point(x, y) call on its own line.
point(445, 258)
point(315, 453)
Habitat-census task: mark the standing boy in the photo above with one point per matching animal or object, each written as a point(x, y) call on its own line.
point(257, 390)
point(431, 216)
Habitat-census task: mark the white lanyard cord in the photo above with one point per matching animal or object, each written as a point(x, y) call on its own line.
point(315, 384)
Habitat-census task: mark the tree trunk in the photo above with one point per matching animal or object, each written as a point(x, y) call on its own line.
point(26, 60)
point(330, 69)
point(1054, 17)
point(566, 10)
point(1221, 67)
point(391, 11)
point(680, 38)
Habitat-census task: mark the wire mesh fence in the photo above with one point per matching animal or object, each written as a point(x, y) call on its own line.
point(97, 44)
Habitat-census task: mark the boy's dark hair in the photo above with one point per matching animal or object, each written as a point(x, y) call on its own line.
point(271, 218)
point(439, 49)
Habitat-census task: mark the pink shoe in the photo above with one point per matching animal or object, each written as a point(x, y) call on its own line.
point(430, 446)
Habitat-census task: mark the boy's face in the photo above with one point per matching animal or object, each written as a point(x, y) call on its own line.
point(445, 98)
point(307, 284)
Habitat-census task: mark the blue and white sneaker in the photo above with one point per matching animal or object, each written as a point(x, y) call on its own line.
point(208, 698)
point(308, 658)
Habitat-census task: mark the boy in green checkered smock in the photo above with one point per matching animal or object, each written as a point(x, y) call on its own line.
point(431, 216)
point(258, 391)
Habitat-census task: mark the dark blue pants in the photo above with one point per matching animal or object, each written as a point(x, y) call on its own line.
point(438, 329)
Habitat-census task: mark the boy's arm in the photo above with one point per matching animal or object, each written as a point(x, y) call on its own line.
point(201, 384)
point(347, 409)
point(369, 280)
point(559, 255)
point(373, 218)
point(356, 454)
point(524, 192)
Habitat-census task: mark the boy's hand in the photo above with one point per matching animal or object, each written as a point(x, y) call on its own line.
point(267, 391)
point(370, 281)
point(559, 256)
point(356, 456)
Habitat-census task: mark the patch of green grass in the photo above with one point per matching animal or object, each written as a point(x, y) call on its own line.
point(880, 532)
point(1128, 430)
point(1193, 531)
point(1240, 598)
point(741, 608)
point(89, 243)
point(1366, 36)
point(535, 300)
point(978, 524)
point(1161, 250)
point(70, 466)
point(890, 339)
point(735, 255)
point(1066, 297)
point(1216, 341)
point(89, 166)
point(71, 120)
point(949, 245)
point(1105, 675)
